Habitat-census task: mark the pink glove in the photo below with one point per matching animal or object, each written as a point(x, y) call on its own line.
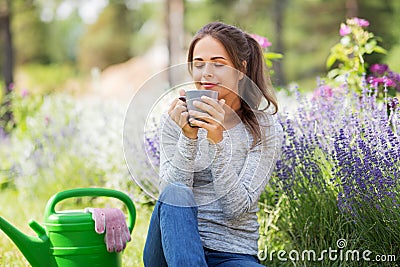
point(113, 222)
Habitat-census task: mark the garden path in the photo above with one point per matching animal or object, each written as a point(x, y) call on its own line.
point(119, 82)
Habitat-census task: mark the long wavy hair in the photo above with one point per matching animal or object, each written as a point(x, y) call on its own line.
point(241, 47)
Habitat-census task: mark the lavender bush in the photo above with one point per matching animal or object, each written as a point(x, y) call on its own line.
point(338, 177)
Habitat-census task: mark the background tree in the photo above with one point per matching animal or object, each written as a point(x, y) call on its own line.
point(175, 34)
point(106, 41)
point(30, 36)
point(278, 17)
point(121, 32)
point(384, 24)
point(8, 59)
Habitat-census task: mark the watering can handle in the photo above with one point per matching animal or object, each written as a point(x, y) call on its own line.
point(93, 192)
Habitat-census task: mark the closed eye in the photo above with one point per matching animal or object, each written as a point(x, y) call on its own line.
point(218, 64)
point(201, 64)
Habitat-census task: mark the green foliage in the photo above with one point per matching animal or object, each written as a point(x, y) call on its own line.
point(21, 106)
point(308, 32)
point(307, 220)
point(392, 58)
point(271, 56)
point(29, 33)
point(62, 38)
point(146, 26)
point(44, 79)
point(107, 41)
point(118, 35)
point(349, 53)
point(380, 226)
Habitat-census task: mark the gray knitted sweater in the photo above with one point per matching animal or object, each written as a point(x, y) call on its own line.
point(227, 179)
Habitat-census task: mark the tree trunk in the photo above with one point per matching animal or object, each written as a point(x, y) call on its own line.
point(351, 8)
point(278, 14)
point(175, 35)
point(8, 58)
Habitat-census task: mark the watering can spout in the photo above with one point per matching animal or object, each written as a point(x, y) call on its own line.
point(35, 249)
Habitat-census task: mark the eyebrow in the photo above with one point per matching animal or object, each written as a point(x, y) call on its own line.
point(213, 58)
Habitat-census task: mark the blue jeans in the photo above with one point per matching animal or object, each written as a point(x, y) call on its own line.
point(173, 238)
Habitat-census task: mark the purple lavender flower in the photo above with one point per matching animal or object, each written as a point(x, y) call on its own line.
point(11, 86)
point(393, 103)
point(2, 133)
point(152, 144)
point(395, 77)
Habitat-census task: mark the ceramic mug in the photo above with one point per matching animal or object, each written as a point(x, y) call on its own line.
point(195, 95)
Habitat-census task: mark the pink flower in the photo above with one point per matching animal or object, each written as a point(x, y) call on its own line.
point(379, 68)
point(390, 83)
point(376, 81)
point(361, 22)
point(324, 91)
point(344, 29)
point(47, 120)
point(263, 41)
point(24, 92)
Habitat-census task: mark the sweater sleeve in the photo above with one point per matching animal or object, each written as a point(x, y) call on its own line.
point(239, 193)
point(177, 154)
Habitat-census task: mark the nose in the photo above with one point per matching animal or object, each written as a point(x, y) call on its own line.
point(208, 70)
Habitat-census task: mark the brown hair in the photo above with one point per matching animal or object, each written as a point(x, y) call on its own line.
point(241, 47)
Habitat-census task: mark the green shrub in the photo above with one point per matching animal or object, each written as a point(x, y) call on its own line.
point(46, 79)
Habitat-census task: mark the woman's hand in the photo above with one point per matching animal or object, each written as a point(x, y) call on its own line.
point(212, 117)
point(179, 114)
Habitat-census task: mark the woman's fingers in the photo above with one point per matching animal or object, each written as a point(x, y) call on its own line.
point(179, 114)
point(214, 130)
point(208, 124)
point(183, 119)
point(213, 110)
point(178, 111)
point(211, 105)
point(206, 117)
point(172, 105)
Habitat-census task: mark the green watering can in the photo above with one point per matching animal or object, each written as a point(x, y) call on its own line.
point(68, 238)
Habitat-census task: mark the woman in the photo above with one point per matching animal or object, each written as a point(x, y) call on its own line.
point(213, 172)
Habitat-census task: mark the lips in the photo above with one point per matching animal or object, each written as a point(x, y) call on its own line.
point(208, 85)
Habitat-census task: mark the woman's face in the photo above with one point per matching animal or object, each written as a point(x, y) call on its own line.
point(214, 70)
